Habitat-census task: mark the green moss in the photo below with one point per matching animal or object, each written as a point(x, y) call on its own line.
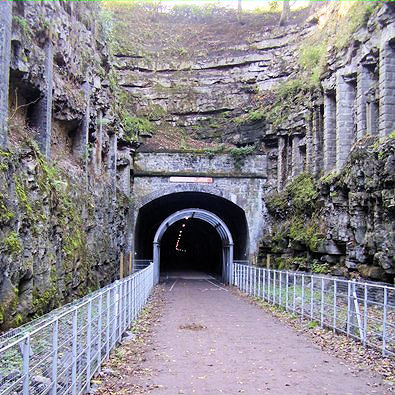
point(215, 150)
point(303, 192)
point(45, 301)
point(292, 263)
point(329, 178)
point(357, 17)
point(23, 200)
point(312, 59)
point(12, 244)
point(23, 25)
point(277, 204)
point(239, 154)
point(18, 320)
point(313, 324)
point(6, 215)
point(135, 126)
point(392, 135)
point(320, 268)
point(5, 154)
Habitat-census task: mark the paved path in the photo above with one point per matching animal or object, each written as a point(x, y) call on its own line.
point(210, 341)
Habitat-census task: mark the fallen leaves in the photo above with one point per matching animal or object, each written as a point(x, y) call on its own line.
point(193, 327)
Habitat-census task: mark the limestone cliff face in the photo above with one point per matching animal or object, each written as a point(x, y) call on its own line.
point(307, 95)
point(342, 224)
point(63, 218)
point(193, 75)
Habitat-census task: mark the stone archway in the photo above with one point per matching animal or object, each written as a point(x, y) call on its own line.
point(204, 215)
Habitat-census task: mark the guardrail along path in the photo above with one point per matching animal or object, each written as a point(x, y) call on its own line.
point(210, 340)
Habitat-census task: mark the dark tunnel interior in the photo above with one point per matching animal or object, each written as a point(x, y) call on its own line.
point(193, 245)
point(200, 246)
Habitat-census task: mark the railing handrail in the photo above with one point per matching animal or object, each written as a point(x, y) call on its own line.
point(362, 310)
point(66, 348)
point(324, 276)
point(64, 310)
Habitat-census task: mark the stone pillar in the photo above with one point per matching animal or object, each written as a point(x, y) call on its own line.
point(281, 162)
point(123, 168)
point(309, 143)
point(329, 132)
point(364, 82)
point(317, 139)
point(296, 157)
point(345, 100)
point(5, 58)
point(42, 114)
point(387, 86)
point(372, 112)
point(113, 158)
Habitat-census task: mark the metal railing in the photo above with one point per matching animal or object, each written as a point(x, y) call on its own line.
point(362, 310)
point(140, 264)
point(60, 353)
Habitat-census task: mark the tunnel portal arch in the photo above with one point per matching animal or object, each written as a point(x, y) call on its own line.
point(204, 215)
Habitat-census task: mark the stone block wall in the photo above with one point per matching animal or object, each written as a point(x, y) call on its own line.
point(245, 187)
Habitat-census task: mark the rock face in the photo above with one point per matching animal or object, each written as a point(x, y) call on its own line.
point(63, 216)
point(306, 96)
point(197, 80)
point(346, 224)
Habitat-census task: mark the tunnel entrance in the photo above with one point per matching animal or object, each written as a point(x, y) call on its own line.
point(186, 217)
point(201, 247)
point(191, 245)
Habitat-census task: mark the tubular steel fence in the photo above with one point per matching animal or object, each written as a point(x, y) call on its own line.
point(140, 264)
point(361, 310)
point(60, 353)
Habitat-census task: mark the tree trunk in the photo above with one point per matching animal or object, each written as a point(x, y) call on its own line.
point(285, 13)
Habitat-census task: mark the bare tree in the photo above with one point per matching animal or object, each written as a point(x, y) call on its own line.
point(239, 10)
point(285, 13)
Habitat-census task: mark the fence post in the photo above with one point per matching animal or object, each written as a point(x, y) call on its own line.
point(280, 289)
point(357, 310)
point(348, 306)
point(312, 298)
point(274, 287)
point(259, 282)
point(54, 374)
point(99, 330)
point(25, 364)
point(264, 284)
point(120, 301)
point(365, 314)
point(89, 346)
point(286, 290)
point(294, 301)
point(385, 320)
point(334, 305)
point(129, 301)
point(302, 296)
point(108, 306)
point(322, 301)
point(74, 353)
